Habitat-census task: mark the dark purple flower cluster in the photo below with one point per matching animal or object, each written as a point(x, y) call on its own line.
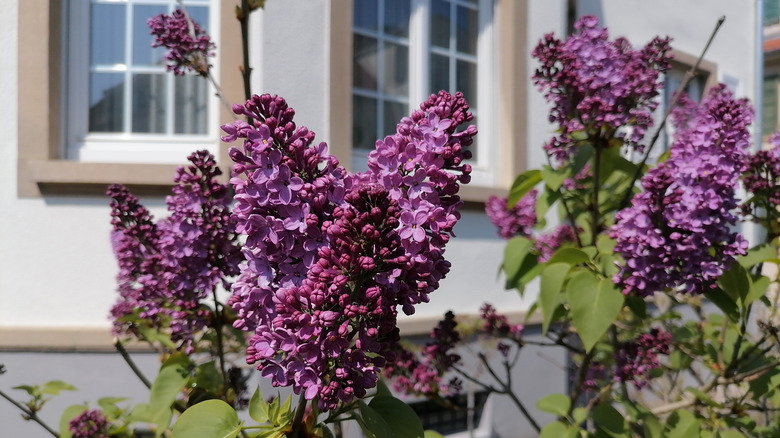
point(422, 374)
point(167, 269)
point(636, 359)
point(189, 47)
point(517, 221)
point(600, 86)
point(761, 182)
point(89, 424)
point(497, 325)
point(678, 233)
point(331, 255)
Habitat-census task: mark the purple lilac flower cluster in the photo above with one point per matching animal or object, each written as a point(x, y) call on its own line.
point(636, 359)
point(166, 269)
point(331, 255)
point(761, 181)
point(678, 233)
point(89, 424)
point(546, 244)
point(598, 85)
point(517, 221)
point(189, 47)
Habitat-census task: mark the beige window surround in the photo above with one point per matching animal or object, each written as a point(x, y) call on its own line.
point(41, 104)
point(685, 61)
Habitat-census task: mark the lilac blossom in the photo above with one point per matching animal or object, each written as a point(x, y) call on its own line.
point(331, 256)
point(678, 233)
point(635, 360)
point(189, 47)
point(546, 244)
point(516, 221)
point(761, 182)
point(166, 269)
point(600, 86)
point(89, 424)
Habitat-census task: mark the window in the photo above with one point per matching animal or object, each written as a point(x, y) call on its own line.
point(771, 12)
point(123, 106)
point(460, 415)
point(404, 50)
point(769, 103)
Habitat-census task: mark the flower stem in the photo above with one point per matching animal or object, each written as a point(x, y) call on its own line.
point(30, 414)
point(219, 323)
point(298, 420)
point(121, 349)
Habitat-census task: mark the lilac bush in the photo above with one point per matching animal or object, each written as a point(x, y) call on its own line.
point(331, 255)
point(189, 47)
point(678, 234)
point(168, 268)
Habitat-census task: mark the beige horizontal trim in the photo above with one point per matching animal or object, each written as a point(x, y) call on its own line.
point(100, 340)
point(76, 178)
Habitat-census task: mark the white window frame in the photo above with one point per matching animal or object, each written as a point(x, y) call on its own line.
point(484, 168)
point(126, 147)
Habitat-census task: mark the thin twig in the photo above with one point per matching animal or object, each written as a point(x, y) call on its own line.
point(298, 419)
point(121, 349)
point(30, 414)
point(675, 99)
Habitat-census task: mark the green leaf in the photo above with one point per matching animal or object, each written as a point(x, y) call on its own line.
point(729, 434)
point(594, 306)
point(372, 423)
point(68, 414)
point(208, 377)
point(554, 430)
point(557, 404)
point(33, 391)
point(546, 199)
point(572, 256)
point(766, 382)
point(757, 290)
point(652, 427)
point(704, 397)
point(55, 386)
point(679, 360)
point(174, 374)
point(208, 419)
point(757, 254)
point(284, 414)
point(258, 408)
point(402, 419)
point(152, 336)
point(735, 282)
point(682, 424)
point(551, 291)
point(637, 305)
point(514, 254)
point(579, 415)
point(724, 303)
point(609, 420)
point(522, 185)
point(382, 390)
point(553, 178)
point(433, 434)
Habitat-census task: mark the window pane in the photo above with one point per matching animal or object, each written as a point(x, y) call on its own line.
point(467, 81)
point(467, 30)
point(149, 103)
point(364, 120)
point(364, 64)
point(366, 14)
point(107, 36)
point(396, 69)
point(397, 13)
point(440, 73)
point(191, 106)
point(393, 113)
point(200, 14)
point(769, 102)
point(143, 53)
point(106, 102)
point(440, 23)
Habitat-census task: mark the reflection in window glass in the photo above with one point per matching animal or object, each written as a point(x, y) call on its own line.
point(140, 96)
point(191, 104)
point(467, 30)
point(143, 52)
point(467, 81)
point(364, 122)
point(397, 17)
point(366, 15)
point(365, 62)
point(396, 69)
point(107, 35)
point(393, 113)
point(440, 23)
point(106, 102)
point(440, 73)
point(149, 109)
